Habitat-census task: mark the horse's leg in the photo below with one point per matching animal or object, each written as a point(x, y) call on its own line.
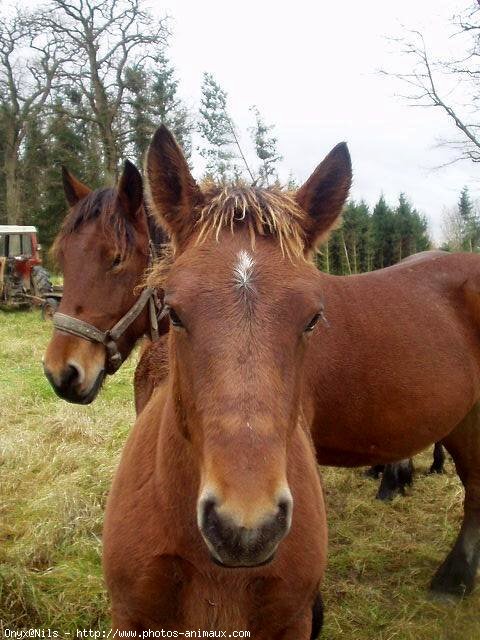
point(307, 626)
point(317, 617)
point(438, 459)
point(375, 471)
point(456, 575)
point(396, 477)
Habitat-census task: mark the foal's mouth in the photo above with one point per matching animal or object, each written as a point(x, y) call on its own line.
point(247, 565)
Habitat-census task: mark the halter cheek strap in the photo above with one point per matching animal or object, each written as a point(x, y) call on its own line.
point(109, 338)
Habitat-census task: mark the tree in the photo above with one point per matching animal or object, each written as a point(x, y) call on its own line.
point(450, 85)
point(216, 129)
point(265, 148)
point(105, 39)
point(470, 222)
point(154, 100)
point(29, 62)
point(410, 229)
point(69, 144)
point(383, 235)
point(461, 225)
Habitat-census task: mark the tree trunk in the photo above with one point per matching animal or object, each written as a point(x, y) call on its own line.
point(12, 182)
point(105, 116)
point(346, 255)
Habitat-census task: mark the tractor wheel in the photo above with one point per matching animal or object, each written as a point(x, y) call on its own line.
point(41, 284)
point(48, 308)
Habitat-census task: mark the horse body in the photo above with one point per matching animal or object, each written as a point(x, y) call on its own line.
point(398, 366)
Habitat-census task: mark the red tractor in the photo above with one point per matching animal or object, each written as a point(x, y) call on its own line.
point(24, 282)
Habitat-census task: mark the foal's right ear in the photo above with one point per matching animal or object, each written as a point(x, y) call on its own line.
point(171, 190)
point(74, 189)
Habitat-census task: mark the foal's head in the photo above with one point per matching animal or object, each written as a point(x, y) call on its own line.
point(103, 250)
point(244, 298)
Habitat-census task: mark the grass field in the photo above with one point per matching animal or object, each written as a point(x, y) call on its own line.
point(56, 464)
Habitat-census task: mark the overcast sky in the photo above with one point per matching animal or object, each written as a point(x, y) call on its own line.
point(312, 69)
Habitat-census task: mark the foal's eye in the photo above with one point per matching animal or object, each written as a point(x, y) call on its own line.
point(174, 319)
point(311, 325)
point(116, 261)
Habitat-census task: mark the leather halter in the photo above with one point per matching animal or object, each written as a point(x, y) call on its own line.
point(109, 338)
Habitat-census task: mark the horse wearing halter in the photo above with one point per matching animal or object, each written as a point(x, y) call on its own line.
point(110, 337)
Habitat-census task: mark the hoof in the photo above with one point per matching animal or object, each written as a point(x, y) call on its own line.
point(455, 577)
point(386, 495)
point(374, 472)
point(435, 469)
point(317, 617)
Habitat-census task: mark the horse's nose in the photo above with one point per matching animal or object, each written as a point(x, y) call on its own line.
point(67, 383)
point(64, 380)
point(234, 545)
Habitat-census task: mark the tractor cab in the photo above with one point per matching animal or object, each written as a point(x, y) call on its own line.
point(23, 280)
point(18, 252)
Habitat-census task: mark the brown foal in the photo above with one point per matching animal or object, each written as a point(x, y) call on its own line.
point(215, 520)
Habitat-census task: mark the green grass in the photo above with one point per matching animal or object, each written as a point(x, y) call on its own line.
point(56, 464)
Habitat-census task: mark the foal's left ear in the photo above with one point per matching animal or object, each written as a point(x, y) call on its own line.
point(171, 189)
point(324, 193)
point(130, 189)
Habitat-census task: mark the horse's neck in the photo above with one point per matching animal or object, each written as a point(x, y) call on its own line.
point(176, 467)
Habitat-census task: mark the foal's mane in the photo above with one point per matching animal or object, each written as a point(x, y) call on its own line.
point(264, 212)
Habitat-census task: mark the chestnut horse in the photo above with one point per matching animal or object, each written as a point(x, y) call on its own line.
point(396, 368)
point(106, 243)
point(220, 467)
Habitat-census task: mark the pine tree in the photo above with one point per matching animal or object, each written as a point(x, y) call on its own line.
point(266, 149)
point(216, 129)
point(382, 235)
point(470, 222)
point(154, 100)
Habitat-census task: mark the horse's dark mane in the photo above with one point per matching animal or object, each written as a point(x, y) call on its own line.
point(89, 208)
point(102, 204)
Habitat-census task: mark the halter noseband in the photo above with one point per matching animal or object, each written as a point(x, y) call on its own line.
point(109, 338)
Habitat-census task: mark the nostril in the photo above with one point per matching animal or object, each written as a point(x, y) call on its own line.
point(209, 514)
point(284, 513)
point(71, 376)
point(283, 508)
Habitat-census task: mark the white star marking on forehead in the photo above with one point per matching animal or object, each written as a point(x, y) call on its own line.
point(243, 270)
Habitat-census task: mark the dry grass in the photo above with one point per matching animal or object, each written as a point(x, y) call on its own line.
point(56, 463)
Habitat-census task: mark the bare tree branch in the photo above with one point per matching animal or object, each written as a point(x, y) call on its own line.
point(430, 81)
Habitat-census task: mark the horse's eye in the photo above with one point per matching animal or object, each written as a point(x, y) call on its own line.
point(116, 261)
point(174, 319)
point(311, 325)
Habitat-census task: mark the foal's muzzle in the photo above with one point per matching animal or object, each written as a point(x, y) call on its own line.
point(232, 545)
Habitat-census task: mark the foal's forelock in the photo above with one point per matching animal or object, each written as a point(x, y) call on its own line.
point(263, 212)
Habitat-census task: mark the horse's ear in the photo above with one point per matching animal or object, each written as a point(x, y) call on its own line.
point(130, 189)
point(323, 195)
point(172, 192)
point(74, 189)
